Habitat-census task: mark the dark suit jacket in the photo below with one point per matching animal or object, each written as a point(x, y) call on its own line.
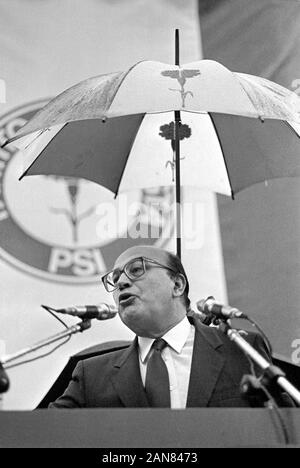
point(113, 379)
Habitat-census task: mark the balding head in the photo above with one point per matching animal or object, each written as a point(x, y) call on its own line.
point(148, 251)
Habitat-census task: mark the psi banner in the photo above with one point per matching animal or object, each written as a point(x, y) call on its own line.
point(54, 242)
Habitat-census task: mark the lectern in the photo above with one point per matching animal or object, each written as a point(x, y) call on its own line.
point(148, 428)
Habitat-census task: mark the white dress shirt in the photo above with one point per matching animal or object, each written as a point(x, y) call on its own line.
point(178, 359)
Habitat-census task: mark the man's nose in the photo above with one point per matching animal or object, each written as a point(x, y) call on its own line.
point(123, 281)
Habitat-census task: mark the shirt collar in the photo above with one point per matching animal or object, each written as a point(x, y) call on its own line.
point(176, 337)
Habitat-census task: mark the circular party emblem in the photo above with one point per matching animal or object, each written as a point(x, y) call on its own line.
point(71, 230)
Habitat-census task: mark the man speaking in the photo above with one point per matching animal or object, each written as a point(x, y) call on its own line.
point(175, 361)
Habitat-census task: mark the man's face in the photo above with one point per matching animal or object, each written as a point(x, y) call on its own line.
point(146, 304)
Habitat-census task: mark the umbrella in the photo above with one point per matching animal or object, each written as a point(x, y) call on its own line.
point(119, 130)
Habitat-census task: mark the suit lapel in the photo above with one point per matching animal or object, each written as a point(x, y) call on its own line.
point(127, 379)
point(207, 364)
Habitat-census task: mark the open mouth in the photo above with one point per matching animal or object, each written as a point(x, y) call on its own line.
point(126, 299)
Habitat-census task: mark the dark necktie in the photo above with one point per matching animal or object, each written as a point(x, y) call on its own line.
point(157, 377)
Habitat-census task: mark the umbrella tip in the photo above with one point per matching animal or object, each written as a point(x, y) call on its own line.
point(22, 175)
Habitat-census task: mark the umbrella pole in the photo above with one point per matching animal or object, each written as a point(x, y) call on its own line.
point(177, 160)
point(177, 183)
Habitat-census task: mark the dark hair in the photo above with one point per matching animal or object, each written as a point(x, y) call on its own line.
point(175, 264)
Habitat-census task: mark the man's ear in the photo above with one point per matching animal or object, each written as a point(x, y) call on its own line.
point(179, 285)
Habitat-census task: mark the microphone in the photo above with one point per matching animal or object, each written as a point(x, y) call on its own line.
point(100, 312)
point(197, 315)
point(213, 310)
point(4, 382)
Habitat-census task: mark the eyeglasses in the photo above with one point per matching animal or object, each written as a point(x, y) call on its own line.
point(133, 270)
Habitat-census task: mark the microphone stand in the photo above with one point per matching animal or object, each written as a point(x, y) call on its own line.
point(5, 361)
point(270, 373)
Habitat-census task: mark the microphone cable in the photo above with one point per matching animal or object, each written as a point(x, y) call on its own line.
point(26, 361)
point(271, 403)
point(51, 311)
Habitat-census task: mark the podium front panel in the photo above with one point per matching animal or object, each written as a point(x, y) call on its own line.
point(147, 428)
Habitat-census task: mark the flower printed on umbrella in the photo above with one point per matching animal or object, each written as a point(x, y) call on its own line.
point(181, 76)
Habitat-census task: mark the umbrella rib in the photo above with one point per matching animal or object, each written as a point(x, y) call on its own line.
point(127, 157)
point(120, 83)
point(248, 95)
point(291, 127)
point(222, 151)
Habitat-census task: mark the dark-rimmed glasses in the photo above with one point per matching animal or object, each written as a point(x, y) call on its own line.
point(134, 269)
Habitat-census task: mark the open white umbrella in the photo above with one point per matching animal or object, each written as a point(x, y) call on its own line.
point(119, 130)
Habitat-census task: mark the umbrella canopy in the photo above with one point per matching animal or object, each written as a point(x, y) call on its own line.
point(219, 152)
point(153, 87)
point(223, 148)
point(115, 129)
